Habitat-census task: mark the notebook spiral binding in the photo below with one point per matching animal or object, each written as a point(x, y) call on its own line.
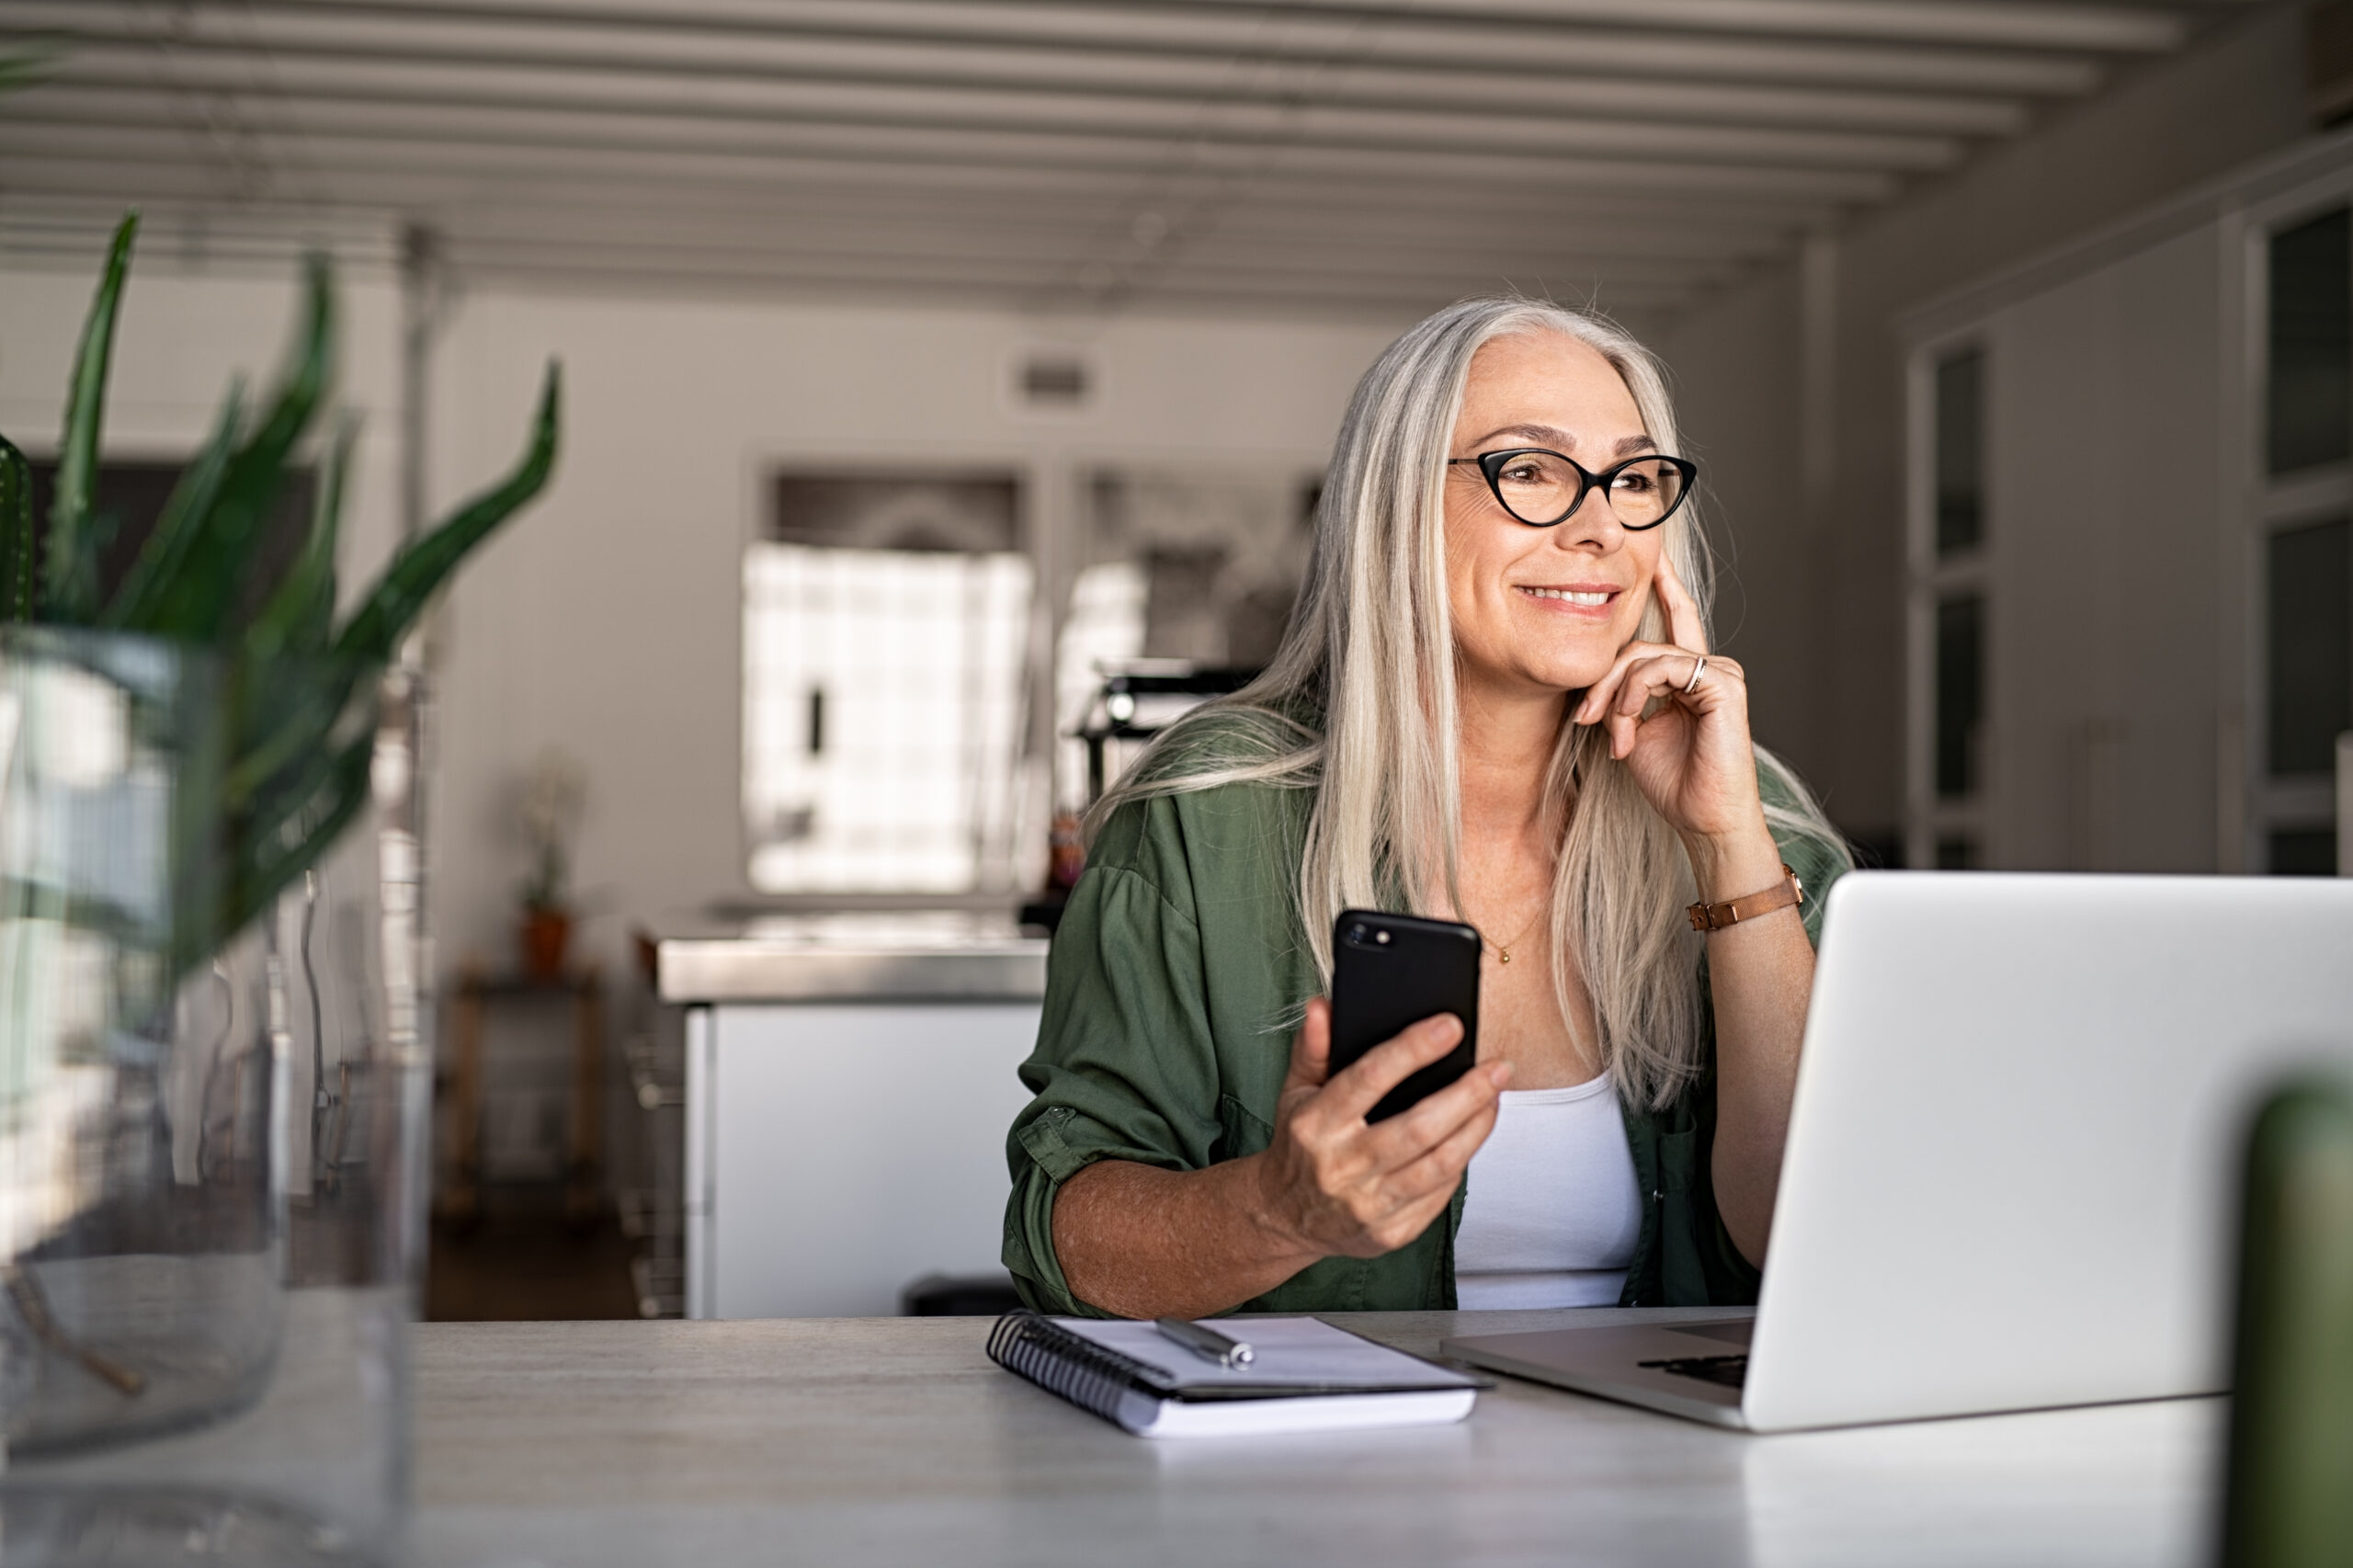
point(1079, 1370)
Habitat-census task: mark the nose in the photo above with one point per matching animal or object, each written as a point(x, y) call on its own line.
point(1594, 522)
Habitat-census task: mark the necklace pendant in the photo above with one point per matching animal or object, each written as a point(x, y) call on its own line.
point(1504, 953)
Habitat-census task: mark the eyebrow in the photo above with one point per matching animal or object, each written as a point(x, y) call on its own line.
point(1554, 434)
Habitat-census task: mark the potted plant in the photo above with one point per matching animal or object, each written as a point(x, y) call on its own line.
point(554, 794)
point(215, 1051)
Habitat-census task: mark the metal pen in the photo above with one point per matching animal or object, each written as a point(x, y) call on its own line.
point(1206, 1343)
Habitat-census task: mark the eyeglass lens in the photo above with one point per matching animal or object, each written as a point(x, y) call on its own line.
point(1542, 488)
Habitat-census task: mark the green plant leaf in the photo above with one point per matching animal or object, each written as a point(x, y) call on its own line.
point(375, 631)
point(294, 783)
point(299, 616)
point(70, 574)
point(289, 842)
point(298, 712)
point(292, 710)
point(18, 537)
point(195, 597)
point(136, 603)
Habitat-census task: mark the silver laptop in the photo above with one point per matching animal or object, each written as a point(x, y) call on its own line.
point(2012, 1172)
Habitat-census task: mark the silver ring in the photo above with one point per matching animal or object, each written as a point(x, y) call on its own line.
point(1693, 684)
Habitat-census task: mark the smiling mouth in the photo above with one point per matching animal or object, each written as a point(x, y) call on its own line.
point(1591, 596)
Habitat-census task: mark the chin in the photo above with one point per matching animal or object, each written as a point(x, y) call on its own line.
point(1565, 681)
point(1576, 675)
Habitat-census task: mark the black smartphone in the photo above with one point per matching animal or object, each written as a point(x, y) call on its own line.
point(1390, 971)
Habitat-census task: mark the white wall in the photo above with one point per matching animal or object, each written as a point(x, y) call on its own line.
point(606, 621)
point(1823, 629)
point(1746, 444)
point(2109, 565)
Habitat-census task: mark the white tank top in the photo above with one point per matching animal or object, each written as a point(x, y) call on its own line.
point(1553, 1213)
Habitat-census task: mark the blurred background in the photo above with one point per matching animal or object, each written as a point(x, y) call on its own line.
point(949, 383)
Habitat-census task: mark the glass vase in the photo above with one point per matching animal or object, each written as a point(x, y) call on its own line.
point(211, 1141)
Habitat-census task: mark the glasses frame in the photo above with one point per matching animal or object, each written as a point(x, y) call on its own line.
point(1491, 464)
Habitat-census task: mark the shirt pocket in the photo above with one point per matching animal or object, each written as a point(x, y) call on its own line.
point(1678, 1161)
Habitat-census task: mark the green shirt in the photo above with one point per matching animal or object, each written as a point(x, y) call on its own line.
point(1176, 977)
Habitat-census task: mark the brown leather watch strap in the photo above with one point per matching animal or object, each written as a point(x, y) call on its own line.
point(1716, 917)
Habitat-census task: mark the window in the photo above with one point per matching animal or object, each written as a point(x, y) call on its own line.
point(1952, 544)
point(2310, 653)
point(1181, 570)
point(2302, 557)
point(2303, 852)
point(1104, 630)
point(2309, 389)
point(885, 629)
point(1959, 454)
point(1961, 694)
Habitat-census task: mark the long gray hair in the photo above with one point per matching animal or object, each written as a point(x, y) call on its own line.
point(1369, 657)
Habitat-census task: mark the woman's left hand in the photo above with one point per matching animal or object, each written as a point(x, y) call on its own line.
point(1692, 758)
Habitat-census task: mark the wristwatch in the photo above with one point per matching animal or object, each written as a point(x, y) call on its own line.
point(1716, 917)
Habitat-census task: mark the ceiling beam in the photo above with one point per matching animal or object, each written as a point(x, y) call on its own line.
point(89, 189)
point(1010, 256)
point(495, 258)
point(425, 65)
point(969, 244)
point(295, 149)
point(1291, 38)
point(1350, 157)
point(517, 104)
point(2141, 28)
point(2147, 29)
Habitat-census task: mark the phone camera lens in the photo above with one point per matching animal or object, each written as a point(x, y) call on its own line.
point(1356, 932)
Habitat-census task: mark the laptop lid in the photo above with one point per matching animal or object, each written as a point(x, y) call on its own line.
point(2012, 1169)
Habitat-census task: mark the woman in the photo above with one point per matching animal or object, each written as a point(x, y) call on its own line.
point(1495, 704)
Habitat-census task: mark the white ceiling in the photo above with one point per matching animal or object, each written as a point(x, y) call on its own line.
point(1375, 156)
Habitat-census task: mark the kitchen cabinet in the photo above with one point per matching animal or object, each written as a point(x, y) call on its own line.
point(849, 1080)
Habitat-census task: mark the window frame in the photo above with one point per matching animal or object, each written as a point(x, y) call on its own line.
point(2268, 504)
point(1930, 578)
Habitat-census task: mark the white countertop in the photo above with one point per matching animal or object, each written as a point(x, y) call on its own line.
point(857, 955)
point(882, 1441)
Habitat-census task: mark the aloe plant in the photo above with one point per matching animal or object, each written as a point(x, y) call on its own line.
point(298, 694)
point(2289, 1501)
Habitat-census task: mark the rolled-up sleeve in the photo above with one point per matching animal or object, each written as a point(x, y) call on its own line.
point(1125, 1067)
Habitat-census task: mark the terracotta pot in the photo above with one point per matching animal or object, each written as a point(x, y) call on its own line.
point(544, 934)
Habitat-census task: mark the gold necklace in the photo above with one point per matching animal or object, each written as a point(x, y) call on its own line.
point(1502, 950)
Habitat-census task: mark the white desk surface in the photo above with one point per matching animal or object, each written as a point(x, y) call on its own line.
point(895, 1440)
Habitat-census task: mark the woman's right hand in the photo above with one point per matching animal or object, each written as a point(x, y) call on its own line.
point(1336, 1186)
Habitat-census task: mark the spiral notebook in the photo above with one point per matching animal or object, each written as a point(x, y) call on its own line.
point(1307, 1377)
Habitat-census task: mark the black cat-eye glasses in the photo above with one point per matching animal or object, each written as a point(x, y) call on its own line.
point(1542, 488)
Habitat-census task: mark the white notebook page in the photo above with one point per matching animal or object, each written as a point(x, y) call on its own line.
point(1287, 1351)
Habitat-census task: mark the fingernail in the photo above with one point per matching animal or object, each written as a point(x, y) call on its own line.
point(1500, 1074)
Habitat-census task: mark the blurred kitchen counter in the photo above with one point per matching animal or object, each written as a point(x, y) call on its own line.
point(850, 1077)
point(857, 955)
point(854, 1441)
